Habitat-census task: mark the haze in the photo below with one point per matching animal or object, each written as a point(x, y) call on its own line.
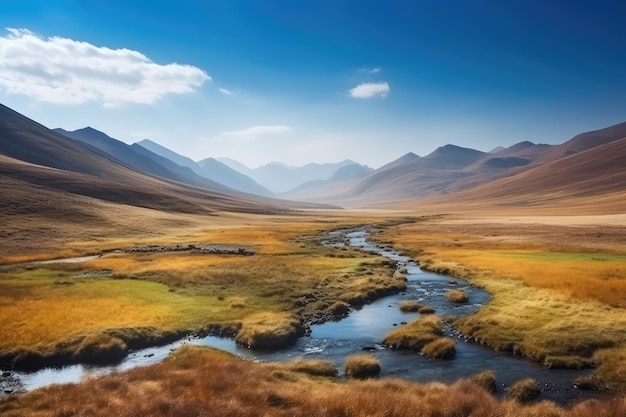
point(317, 82)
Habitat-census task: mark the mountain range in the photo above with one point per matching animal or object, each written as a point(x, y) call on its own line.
point(58, 165)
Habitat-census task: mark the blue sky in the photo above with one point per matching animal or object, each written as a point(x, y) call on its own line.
point(317, 81)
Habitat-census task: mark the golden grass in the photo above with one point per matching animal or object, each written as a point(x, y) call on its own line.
point(410, 306)
point(416, 334)
point(55, 306)
point(485, 379)
point(361, 366)
point(558, 290)
point(312, 367)
point(524, 390)
point(196, 382)
point(457, 296)
point(440, 348)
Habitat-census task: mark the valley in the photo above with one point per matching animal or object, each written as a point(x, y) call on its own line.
point(541, 229)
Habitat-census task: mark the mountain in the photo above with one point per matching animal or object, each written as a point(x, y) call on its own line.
point(136, 158)
point(212, 168)
point(209, 168)
point(160, 150)
point(451, 169)
point(345, 173)
point(41, 171)
point(590, 181)
point(236, 165)
point(279, 177)
point(404, 159)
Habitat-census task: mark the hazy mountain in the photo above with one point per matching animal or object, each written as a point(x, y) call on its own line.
point(451, 170)
point(236, 165)
point(167, 153)
point(214, 169)
point(404, 159)
point(279, 177)
point(209, 168)
point(345, 173)
point(497, 149)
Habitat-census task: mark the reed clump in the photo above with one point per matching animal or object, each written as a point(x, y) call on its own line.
point(362, 366)
point(485, 379)
point(410, 306)
point(457, 296)
point(424, 335)
point(524, 390)
point(313, 367)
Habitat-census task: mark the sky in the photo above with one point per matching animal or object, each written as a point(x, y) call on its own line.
point(317, 81)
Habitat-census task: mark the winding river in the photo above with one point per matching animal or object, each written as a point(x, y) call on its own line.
point(362, 331)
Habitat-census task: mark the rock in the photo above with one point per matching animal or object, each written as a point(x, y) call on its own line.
point(6, 374)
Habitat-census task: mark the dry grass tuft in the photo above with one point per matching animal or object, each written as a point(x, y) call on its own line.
point(313, 367)
point(524, 390)
point(269, 330)
point(457, 296)
point(426, 310)
point(440, 348)
point(485, 379)
point(410, 306)
point(416, 334)
point(362, 366)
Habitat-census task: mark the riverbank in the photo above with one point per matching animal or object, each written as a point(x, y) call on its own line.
point(558, 286)
point(195, 381)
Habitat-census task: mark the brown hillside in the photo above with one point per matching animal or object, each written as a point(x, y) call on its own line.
point(593, 180)
point(39, 158)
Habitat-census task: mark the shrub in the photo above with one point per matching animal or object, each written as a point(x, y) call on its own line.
point(426, 310)
point(362, 366)
point(486, 379)
point(415, 335)
point(440, 348)
point(457, 296)
point(524, 390)
point(410, 306)
point(314, 367)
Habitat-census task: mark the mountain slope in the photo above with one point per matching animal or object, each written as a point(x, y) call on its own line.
point(37, 157)
point(209, 168)
point(212, 168)
point(592, 181)
point(135, 158)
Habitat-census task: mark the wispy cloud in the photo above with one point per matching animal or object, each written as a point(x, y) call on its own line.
point(65, 71)
point(225, 91)
point(256, 131)
point(373, 70)
point(369, 90)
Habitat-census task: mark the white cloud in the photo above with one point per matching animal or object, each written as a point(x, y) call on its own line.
point(255, 131)
point(225, 91)
point(64, 71)
point(374, 70)
point(368, 90)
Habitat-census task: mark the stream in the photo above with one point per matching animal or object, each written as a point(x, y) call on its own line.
point(361, 332)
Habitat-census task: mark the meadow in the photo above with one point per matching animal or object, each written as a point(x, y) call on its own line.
point(49, 312)
point(557, 298)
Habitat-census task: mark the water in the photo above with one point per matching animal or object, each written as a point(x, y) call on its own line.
point(362, 332)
